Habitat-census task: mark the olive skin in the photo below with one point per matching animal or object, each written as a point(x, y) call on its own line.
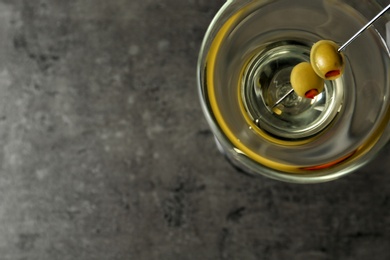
point(305, 82)
point(326, 60)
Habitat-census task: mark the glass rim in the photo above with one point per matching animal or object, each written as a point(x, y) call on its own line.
point(312, 177)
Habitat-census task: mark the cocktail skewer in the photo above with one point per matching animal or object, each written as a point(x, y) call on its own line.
point(282, 98)
point(343, 46)
point(364, 28)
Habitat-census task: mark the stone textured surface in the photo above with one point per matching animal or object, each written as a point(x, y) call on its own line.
point(106, 154)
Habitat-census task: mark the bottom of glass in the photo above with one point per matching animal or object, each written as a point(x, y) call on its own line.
point(266, 81)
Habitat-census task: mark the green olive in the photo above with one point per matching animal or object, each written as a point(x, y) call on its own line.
point(326, 60)
point(305, 82)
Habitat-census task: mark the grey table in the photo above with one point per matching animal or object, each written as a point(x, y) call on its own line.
point(105, 153)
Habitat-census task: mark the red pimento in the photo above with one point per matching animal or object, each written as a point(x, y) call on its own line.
point(311, 93)
point(332, 73)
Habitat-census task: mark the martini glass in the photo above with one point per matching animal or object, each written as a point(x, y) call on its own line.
point(244, 69)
